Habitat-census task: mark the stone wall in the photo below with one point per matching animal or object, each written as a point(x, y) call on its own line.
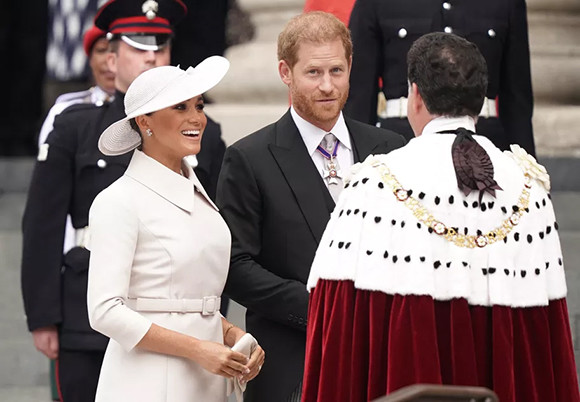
point(554, 29)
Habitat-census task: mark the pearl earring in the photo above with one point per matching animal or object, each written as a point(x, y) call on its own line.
point(149, 132)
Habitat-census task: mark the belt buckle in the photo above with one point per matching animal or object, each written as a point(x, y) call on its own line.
point(209, 305)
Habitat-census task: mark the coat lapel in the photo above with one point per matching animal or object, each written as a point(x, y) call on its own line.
point(301, 175)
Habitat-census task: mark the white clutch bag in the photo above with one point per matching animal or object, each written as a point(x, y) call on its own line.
point(245, 345)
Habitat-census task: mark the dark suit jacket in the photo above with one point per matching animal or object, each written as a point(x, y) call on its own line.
point(498, 28)
point(277, 206)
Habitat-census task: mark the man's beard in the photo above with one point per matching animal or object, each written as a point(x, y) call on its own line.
point(315, 112)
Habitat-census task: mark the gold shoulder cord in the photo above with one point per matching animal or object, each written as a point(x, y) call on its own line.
point(469, 241)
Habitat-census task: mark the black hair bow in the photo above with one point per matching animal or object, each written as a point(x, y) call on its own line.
point(473, 167)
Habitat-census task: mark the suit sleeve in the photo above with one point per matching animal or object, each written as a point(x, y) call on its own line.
point(515, 92)
point(217, 157)
point(210, 158)
point(249, 283)
point(366, 63)
point(43, 228)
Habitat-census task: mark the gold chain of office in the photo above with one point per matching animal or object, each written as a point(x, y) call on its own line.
point(450, 234)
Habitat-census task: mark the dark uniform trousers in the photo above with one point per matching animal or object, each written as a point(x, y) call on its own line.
point(384, 30)
point(65, 183)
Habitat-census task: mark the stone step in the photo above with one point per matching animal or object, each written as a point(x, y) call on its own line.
point(25, 394)
point(22, 365)
point(249, 81)
point(15, 174)
point(12, 206)
point(556, 131)
point(239, 120)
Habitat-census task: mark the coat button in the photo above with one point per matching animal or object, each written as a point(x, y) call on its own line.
point(448, 30)
point(491, 33)
point(102, 163)
point(447, 5)
point(402, 33)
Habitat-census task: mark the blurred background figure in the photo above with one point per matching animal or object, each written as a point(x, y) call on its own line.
point(96, 47)
point(341, 9)
point(201, 34)
point(23, 47)
point(383, 31)
point(67, 67)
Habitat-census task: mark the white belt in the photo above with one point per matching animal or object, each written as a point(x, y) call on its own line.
point(398, 108)
point(82, 237)
point(208, 305)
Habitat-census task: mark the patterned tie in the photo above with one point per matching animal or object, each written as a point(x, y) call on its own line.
point(332, 175)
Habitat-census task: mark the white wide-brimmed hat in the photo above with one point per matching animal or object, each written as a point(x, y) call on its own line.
point(157, 89)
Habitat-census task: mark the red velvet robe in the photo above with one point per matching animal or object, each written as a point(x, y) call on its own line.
point(393, 303)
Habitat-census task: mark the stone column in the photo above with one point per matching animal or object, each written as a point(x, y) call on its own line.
point(554, 29)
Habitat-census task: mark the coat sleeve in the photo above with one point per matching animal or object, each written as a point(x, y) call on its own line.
point(366, 63)
point(43, 226)
point(249, 282)
point(113, 229)
point(516, 101)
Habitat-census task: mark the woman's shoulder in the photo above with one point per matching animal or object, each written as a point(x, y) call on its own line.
point(119, 194)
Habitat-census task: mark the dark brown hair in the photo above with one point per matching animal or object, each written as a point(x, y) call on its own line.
point(450, 73)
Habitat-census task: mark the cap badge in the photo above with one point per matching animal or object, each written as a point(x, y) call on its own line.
point(150, 9)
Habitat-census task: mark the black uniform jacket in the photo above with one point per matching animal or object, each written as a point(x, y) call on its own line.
point(384, 30)
point(75, 171)
point(277, 206)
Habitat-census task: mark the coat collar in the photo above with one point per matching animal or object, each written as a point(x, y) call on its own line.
point(443, 123)
point(177, 189)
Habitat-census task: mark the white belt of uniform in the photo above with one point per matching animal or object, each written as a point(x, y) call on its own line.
point(82, 237)
point(398, 108)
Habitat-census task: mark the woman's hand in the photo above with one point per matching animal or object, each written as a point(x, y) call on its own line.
point(255, 364)
point(221, 360)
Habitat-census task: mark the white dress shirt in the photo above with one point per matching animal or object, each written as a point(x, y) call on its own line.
point(312, 136)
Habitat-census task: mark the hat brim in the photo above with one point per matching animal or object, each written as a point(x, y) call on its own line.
point(120, 138)
point(146, 42)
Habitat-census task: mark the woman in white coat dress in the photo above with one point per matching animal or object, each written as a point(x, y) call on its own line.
point(160, 252)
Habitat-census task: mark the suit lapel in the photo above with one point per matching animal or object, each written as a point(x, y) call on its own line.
point(296, 165)
point(362, 142)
